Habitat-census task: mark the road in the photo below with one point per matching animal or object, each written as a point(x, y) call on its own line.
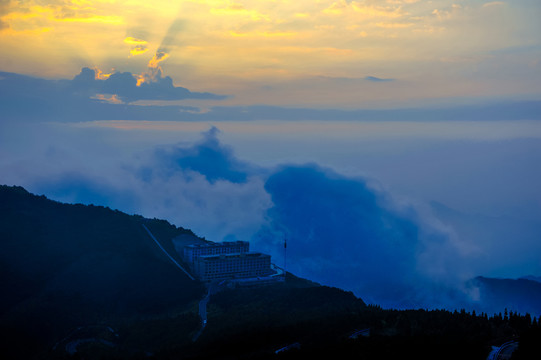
point(203, 315)
point(213, 288)
point(166, 253)
point(503, 352)
point(203, 309)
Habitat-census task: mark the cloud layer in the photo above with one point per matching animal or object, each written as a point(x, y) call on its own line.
point(127, 88)
point(344, 232)
point(92, 95)
point(341, 231)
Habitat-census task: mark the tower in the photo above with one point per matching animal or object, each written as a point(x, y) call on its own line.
point(285, 257)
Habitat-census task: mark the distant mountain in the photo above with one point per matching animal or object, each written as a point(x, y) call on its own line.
point(498, 236)
point(532, 278)
point(520, 295)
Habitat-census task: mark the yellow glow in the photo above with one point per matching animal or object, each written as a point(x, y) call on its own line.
point(157, 58)
point(394, 25)
point(117, 20)
point(238, 10)
point(250, 41)
point(140, 80)
point(373, 11)
point(262, 34)
point(336, 8)
point(134, 41)
point(138, 50)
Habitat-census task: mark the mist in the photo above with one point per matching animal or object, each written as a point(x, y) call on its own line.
point(348, 222)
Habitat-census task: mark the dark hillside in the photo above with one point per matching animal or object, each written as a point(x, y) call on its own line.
point(63, 266)
point(88, 282)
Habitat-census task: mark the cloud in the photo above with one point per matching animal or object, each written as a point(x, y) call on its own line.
point(493, 3)
point(127, 87)
point(376, 79)
point(4, 9)
point(92, 95)
point(139, 46)
point(199, 185)
point(343, 232)
point(207, 157)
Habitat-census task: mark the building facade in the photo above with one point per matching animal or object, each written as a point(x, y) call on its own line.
point(192, 252)
point(232, 266)
point(227, 260)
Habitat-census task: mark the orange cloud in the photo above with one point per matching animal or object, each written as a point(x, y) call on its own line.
point(100, 75)
point(140, 45)
point(157, 58)
point(113, 99)
point(138, 50)
point(154, 70)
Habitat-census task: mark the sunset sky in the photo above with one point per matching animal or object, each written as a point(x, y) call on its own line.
point(346, 54)
point(403, 134)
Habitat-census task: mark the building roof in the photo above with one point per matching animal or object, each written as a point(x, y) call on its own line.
point(250, 255)
point(215, 244)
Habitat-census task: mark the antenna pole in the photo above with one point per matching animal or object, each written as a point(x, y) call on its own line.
point(285, 257)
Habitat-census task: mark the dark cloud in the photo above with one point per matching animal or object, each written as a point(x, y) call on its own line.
point(201, 185)
point(28, 98)
point(124, 85)
point(207, 157)
point(342, 232)
point(377, 79)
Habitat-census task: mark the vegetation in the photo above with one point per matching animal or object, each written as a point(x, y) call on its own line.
point(66, 266)
point(87, 282)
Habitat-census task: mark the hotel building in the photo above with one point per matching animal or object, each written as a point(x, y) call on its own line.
point(227, 260)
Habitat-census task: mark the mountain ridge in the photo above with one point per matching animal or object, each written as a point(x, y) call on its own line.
point(88, 282)
point(64, 266)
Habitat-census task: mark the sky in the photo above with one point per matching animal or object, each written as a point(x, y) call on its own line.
point(350, 54)
point(395, 144)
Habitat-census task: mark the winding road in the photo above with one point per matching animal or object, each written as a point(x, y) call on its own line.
point(203, 315)
point(503, 352)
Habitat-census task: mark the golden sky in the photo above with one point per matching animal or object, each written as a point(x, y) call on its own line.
point(317, 52)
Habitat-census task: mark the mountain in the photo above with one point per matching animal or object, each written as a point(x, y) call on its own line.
point(70, 269)
point(522, 295)
point(63, 266)
point(532, 278)
point(88, 282)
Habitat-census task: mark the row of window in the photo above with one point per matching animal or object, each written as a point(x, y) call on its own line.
point(224, 275)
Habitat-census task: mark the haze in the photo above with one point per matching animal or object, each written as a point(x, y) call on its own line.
point(396, 144)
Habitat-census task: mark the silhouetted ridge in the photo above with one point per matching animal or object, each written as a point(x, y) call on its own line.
point(65, 265)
